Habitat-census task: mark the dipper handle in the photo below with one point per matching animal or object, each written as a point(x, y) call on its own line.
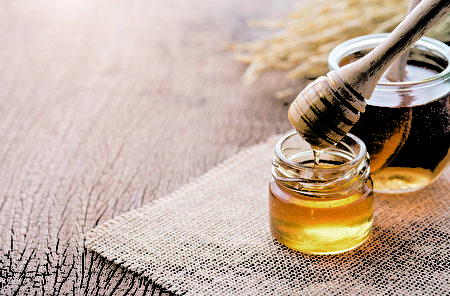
point(364, 74)
point(397, 71)
point(326, 109)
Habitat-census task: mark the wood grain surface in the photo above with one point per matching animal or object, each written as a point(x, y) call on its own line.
point(105, 106)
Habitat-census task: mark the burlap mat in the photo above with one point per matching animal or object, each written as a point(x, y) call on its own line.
point(212, 237)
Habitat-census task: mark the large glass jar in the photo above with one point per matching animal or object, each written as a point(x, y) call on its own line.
point(406, 125)
point(325, 208)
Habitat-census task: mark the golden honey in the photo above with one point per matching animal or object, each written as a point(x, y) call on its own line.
point(325, 208)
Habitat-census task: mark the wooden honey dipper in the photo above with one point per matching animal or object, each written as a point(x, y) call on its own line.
point(325, 111)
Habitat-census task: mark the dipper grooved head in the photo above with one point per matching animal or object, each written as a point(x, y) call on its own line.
point(325, 111)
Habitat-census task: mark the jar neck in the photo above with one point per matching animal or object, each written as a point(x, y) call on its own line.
point(343, 167)
point(426, 54)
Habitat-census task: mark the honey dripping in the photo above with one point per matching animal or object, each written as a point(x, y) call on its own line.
point(316, 159)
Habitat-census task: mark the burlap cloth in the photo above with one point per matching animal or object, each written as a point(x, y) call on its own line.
point(212, 237)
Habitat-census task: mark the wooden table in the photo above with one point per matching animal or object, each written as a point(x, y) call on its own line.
point(105, 106)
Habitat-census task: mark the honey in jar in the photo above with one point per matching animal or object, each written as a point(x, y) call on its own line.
point(322, 208)
point(406, 125)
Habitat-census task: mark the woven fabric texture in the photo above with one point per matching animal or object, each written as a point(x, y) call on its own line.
point(212, 237)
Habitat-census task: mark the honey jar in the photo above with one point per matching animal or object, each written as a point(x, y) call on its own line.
point(322, 208)
point(406, 125)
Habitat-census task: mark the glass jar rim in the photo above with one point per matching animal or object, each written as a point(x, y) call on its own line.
point(358, 156)
point(363, 42)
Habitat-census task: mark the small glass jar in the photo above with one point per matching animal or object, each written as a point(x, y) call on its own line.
point(406, 125)
point(325, 208)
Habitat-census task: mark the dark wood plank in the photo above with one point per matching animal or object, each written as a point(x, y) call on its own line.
point(105, 106)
